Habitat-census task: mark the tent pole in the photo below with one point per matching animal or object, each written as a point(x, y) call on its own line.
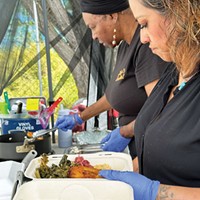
point(47, 46)
point(38, 46)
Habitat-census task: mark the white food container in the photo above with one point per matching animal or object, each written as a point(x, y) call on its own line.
point(8, 176)
point(74, 189)
point(117, 161)
point(78, 188)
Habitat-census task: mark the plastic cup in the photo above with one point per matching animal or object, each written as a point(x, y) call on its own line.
point(64, 138)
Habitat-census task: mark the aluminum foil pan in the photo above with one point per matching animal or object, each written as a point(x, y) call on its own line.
point(84, 149)
point(90, 137)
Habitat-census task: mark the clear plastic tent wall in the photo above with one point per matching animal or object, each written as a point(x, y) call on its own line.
point(89, 63)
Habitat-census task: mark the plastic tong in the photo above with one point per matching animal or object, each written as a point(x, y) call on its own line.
point(45, 114)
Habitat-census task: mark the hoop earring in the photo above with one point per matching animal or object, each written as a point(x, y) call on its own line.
point(114, 38)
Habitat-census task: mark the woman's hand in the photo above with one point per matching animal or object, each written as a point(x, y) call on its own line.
point(114, 141)
point(143, 188)
point(67, 122)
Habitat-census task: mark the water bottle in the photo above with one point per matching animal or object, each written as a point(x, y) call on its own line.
point(64, 137)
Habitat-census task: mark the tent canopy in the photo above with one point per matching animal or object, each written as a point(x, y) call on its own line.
point(88, 62)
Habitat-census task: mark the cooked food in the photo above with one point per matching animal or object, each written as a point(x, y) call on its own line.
point(81, 161)
point(83, 172)
point(102, 166)
point(55, 171)
point(30, 135)
point(79, 168)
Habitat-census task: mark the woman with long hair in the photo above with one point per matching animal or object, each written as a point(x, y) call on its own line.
point(167, 127)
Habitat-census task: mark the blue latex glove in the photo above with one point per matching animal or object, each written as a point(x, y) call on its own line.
point(114, 141)
point(67, 122)
point(143, 188)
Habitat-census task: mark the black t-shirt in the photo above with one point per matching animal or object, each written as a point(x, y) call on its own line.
point(168, 134)
point(136, 66)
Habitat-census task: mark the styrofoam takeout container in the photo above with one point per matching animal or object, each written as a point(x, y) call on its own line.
point(74, 190)
point(117, 161)
point(8, 176)
point(78, 188)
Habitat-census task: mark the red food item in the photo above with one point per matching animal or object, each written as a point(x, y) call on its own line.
point(81, 161)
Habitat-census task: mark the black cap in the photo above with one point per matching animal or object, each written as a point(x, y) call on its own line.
point(101, 7)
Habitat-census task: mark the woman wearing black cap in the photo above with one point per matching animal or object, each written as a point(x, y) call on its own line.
point(136, 72)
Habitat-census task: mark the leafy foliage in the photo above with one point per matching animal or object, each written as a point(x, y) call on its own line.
point(28, 84)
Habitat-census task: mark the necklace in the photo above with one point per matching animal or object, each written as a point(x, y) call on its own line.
point(182, 85)
point(185, 80)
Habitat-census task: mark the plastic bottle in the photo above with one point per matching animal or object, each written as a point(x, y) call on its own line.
point(64, 137)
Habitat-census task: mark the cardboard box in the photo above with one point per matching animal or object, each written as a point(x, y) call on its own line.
point(21, 121)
